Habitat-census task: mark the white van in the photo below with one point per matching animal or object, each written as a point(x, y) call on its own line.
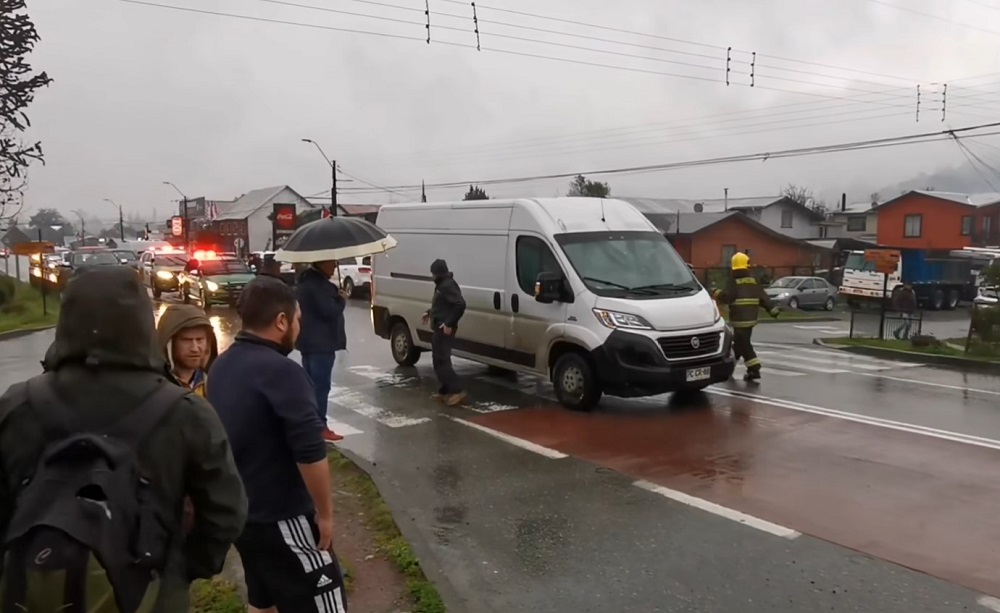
point(584, 291)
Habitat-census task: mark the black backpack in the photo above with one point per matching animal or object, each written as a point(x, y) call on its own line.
point(87, 534)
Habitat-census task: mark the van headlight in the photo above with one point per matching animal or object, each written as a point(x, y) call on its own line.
point(212, 286)
point(718, 313)
point(614, 319)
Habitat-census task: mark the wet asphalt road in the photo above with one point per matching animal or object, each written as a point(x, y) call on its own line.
point(841, 483)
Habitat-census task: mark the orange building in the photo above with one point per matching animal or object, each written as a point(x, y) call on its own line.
point(938, 221)
point(709, 240)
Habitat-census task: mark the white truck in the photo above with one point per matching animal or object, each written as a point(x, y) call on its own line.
point(939, 280)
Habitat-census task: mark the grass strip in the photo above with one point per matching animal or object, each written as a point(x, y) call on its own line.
point(216, 595)
point(387, 536)
point(906, 346)
point(21, 307)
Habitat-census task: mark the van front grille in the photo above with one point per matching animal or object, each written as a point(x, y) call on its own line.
point(689, 345)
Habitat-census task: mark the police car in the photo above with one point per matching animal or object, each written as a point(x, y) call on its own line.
point(211, 278)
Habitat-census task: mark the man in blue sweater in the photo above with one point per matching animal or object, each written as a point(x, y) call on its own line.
point(323, 332)
point(267, 406)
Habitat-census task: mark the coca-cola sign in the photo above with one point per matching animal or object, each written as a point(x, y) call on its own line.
point(283, 222)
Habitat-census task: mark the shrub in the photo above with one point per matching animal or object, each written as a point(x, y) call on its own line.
point(8, 287)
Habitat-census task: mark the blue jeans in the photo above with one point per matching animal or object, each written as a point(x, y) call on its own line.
point(319, 367)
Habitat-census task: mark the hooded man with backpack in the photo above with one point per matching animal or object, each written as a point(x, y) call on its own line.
point(96, 457)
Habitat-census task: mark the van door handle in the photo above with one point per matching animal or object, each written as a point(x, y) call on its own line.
point(514, 302)
point(496, 300)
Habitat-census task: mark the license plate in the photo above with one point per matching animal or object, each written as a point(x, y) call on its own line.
point(699, 374)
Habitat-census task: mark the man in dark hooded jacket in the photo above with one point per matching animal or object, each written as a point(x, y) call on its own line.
point(187, 339)
point(447, 308)
point(104, 363)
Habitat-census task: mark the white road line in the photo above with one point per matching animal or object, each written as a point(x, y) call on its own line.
point(721, 511)
point(774, 371)
point(830, 362)
point(790, 364)
point(932, 384)
point(489, 407)
point(513, 440)
point(837, 353)
point(355, 401)
point(947, 435)
point(341, 428)
point(381, 375)
point(991, 603)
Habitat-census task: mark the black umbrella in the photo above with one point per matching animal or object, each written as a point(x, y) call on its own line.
point(334, 238)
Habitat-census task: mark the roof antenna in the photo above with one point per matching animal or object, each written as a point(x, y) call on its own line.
point(602, 212)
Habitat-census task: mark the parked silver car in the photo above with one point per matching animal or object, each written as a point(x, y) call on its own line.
point(803, 292)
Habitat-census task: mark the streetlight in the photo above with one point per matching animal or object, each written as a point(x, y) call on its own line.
point(184, 208)
point(333, 176)
point(121, 218)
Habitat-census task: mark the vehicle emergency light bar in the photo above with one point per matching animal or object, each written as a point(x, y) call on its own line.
point(204, 254)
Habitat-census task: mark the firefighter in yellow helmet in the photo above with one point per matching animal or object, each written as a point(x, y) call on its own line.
point(744, 297)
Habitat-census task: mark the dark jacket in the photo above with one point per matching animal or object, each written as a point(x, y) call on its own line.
point(268, 407)
point(323, 329)
point(744, 297)
point(905, 301)
point(104, 362)
point(448, 305)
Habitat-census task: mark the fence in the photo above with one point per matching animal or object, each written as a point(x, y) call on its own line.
point(891, 325)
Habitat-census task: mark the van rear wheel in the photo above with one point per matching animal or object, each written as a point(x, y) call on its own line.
point(403, 350)
point(575, 382)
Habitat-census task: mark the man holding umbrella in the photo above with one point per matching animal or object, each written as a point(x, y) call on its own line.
point(321, 244)
point(323, 331)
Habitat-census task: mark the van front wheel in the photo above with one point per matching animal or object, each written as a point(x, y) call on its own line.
point(576, 385)
point(403, 350)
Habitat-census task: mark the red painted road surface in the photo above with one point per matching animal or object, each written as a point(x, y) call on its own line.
point(928, 504)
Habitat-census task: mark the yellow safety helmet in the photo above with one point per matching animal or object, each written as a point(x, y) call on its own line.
point(741, 261)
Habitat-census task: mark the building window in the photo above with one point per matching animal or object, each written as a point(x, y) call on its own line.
point(857, 223)
point(824, 231)
point(533, 257)
point(913, 226)
point(786, 218)
point(728, 251)
point(987, 228)
point(967, 225)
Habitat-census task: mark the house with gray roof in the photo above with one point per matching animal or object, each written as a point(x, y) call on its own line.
point(245, 225)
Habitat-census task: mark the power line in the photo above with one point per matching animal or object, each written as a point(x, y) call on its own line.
point(763, 156)
point(936, 17)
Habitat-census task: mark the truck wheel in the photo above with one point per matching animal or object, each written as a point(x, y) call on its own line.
point(576, 384)
point(937, 301)
point(952, 300)
point(403, 350)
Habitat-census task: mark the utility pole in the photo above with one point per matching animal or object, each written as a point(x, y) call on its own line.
point(333, 188)
point(121, 218)
point(187, 242)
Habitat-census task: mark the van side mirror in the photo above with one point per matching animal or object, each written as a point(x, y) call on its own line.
point(549, 287)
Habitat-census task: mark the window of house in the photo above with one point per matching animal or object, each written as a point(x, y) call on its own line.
point(987, 228)
point(913, 226)
point(967, 225)
point(728, 251)
point(533, 256)
point(824, 231)
point(786, 219)
point(857, 223)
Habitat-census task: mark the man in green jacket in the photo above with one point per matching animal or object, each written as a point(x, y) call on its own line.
point(744, 297)
point(104, 363)
point(187, 340)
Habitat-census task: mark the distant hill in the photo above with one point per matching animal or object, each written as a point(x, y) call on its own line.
point(963, 179)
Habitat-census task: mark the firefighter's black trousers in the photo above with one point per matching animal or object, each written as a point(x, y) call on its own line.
point(743, 349)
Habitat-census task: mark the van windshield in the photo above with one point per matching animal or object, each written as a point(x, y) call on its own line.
point(633, 264)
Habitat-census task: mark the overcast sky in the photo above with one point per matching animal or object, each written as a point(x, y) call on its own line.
point(218, 104)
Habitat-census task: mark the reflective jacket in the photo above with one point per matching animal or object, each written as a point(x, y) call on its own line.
point(744, 297)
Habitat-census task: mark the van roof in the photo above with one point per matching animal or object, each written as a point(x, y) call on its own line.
point(568, 214)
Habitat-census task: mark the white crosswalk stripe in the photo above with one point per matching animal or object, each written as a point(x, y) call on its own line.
point(358, 402)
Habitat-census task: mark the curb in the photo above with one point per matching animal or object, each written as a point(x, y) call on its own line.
point(422, 548)
point(805, 320)
point(12, 334)
point(930, 359)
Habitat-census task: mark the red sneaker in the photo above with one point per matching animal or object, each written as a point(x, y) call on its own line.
point(331, 437)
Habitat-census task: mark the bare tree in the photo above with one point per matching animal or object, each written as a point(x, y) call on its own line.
point(17, 90)
point(799, 194)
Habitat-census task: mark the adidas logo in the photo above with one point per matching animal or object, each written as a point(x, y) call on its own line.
point(324, 581)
